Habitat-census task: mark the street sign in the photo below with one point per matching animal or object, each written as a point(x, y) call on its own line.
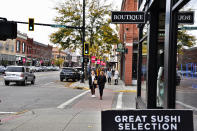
point(128, 17)
point(188, 28)
point(147, 120)
point(58, 26)
point(120, 50)
point(186, 17)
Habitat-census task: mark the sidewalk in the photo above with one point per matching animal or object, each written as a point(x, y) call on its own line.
point(84, 115)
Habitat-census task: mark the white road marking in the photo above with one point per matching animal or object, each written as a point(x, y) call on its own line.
point(188, 106)
point(119, 101)
point(7, 112)
point(71, 100)
point(48, 83)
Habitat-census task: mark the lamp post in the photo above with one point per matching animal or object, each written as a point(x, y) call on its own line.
point(83, 41)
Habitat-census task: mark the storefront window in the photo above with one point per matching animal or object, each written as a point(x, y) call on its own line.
point(12, 48)
point(18, 46)
point(144, 71)
point(1, 46)
point(23, 47)
point(7, 46)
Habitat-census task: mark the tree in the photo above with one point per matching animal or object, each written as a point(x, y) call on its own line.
point(99, 33)
point(184, 39)
point(59, 62)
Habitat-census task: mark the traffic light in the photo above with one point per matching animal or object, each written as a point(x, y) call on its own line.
point(8, 30)
point(86, 49)
point(31, 24)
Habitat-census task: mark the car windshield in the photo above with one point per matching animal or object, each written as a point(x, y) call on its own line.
point(15, 69)
point(67, 70)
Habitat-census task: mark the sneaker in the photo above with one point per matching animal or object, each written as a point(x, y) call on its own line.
point(94, 96)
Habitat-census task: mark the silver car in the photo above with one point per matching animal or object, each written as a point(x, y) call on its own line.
point(19, 74)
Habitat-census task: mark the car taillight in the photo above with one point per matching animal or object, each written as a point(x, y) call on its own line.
point(22, 75)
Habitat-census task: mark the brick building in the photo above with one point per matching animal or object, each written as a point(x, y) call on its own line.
point(188, 56)
point(30, 52)
point(129, 35)
point(20, 50)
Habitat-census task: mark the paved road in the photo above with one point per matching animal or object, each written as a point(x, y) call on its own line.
point(186, 94)
point(47, 92)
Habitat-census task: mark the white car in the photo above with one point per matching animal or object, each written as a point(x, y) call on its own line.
point(19, 74)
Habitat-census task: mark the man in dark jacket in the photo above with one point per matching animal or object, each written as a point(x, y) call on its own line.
point(101, 83)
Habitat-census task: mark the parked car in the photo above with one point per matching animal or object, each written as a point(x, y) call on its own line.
point(38, 69)
point(69, 73)
point(79, 69)
point(19, 74)
point(2, 69)
point(32, 68)
point(56, 68)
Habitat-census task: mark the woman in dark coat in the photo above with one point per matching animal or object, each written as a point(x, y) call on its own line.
point(92, 83)
point(101, 83)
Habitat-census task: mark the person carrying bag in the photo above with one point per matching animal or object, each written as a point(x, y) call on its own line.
point(92, 83)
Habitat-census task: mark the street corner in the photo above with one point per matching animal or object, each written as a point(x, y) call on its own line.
point(80, 88)
point(8, 116)
point(78, 85)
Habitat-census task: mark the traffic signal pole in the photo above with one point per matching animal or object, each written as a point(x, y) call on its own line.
point(83, 41)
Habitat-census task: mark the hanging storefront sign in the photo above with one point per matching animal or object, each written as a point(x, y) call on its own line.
point(147, 120)
point(128, 17)
point(98, 61)
point(93, 59)
point(24, 60)
point(186, 17)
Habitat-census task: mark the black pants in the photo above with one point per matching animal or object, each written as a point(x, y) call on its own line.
point(101, 87)
point(109, 79)
point(92, 88)
point(116, 81)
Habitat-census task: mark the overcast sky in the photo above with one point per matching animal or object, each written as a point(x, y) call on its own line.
point(43, 12)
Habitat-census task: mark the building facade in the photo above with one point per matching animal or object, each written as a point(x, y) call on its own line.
point(188, 56)
point(128, 36)
point(30, 52)
point(7, 52)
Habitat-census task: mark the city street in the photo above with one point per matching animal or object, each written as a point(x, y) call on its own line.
point(47, 92)
point(50, 96)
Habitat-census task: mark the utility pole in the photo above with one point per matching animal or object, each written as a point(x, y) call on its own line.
point(83, 41)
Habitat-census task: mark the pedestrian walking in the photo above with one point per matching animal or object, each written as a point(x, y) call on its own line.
point(109, 75)
point(113, 71)
point(116, 75)
point(101, 83)
point(92, 83)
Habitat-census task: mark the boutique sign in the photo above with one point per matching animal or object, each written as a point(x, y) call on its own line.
point(128, 17)
point(147, 120)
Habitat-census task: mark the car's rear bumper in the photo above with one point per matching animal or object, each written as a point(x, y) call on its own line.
point(67, 77)
point(13, 79)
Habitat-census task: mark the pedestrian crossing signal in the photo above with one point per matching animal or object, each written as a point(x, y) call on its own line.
point(31, 24)
point(86, 49)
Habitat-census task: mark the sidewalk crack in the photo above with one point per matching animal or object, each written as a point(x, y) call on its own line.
point(64, 129)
